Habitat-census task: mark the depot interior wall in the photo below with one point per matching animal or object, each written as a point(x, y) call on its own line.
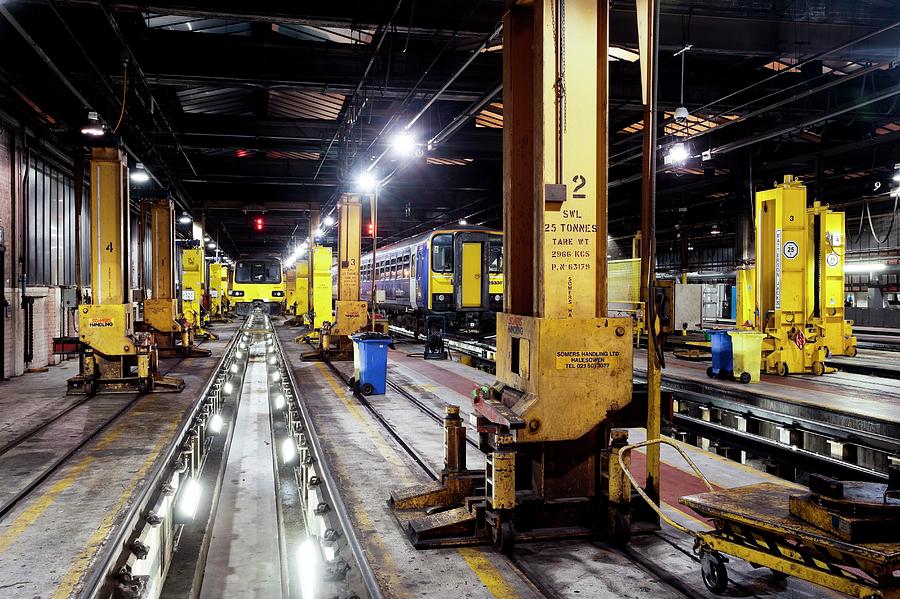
point(37, 212)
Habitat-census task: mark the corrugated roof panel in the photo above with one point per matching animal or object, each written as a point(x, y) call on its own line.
point(198, 24)
point(216, 100)
point(340, 35)
point(283, 155)
point(305, 105)
point(491, 117)
point(449, 161)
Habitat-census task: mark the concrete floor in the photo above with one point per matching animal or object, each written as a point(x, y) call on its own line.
point(52, 540)
point(659, 565)
point(244, 559)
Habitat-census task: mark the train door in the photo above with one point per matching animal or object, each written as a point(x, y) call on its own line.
point(413, 276)
point(470, 285)
point(421, 274)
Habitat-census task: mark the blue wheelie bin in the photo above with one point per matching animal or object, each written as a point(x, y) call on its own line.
point(370, 362)
point(722, 355)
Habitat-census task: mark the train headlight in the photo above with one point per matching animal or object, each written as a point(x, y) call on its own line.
point(237, 293)
point(497, 298)
point(441, 297)
point(277, 293)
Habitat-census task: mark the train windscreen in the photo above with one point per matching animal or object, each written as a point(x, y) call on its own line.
point(257, 271)
point(442, 253)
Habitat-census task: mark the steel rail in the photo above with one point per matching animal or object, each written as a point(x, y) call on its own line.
point(97, 577)
point(340, 508)
point(11, 504)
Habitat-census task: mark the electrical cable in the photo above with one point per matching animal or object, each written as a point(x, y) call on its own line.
point(124, 98)
point(890, 226)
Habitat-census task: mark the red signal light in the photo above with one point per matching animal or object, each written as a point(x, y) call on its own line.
point(371, 230)
point(258, 223)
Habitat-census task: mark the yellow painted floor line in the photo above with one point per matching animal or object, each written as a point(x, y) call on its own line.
point(488, 573)
point(80, 565)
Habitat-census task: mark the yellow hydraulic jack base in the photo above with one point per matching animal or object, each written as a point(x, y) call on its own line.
point(121, 374)
point(335, 344)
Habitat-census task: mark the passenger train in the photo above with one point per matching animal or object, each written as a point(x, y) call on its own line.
point(258, 282)
point(455, 272)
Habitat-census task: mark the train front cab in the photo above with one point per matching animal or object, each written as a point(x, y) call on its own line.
point(258, 284)
point(472, 291)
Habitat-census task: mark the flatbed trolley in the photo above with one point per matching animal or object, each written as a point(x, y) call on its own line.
point(757, 523)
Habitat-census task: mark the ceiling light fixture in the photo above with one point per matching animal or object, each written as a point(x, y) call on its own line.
point(329, 220)
point(366, 182)
point(404, 144)
point(139, 174)
point(185, 218)
point(92, 127)
point(677, 155)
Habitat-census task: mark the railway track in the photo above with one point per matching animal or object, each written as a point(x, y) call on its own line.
point(533, 578)
point(15, 497)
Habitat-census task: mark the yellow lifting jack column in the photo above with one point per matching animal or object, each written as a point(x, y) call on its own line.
point(351, 314)
point(218, 292)
point(174, 335)
point(193, 285)
point(114, 357)
point(564, 368)
point(788, 256)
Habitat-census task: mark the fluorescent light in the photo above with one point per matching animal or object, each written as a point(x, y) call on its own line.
point(856, 267)
point(215, 424)
point(329, 220)
point(139, 174)
point(623, 54)
point(234, 367)
point(308, 561)
point(279, 401)
point(228, 388)
point(288, 450)
point(276, 376)
point(189, 499)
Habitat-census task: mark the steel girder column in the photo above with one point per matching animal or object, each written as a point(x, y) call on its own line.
point(648, 39)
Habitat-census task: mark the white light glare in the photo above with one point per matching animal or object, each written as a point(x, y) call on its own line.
point(308, 561)
point(319, 232)
point(228, 388)
point(211, 245)
point(678, 154)
point(185, 218)
point(215, 424)
point(276, 376)
point(897, 177)
point(139, 174)
point(234, 367)
point(365, 181)
point(329, 220)
point(288, 450)
point(93, 126)
point(190, 499)
point(272, 360)
point(463, 221)
point(856, 267)
point(404, 144)
point(279, 401)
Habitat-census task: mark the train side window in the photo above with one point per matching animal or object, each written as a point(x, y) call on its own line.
point(442, 253)
point(406, 266)
point(495, 258)
point(393, 268)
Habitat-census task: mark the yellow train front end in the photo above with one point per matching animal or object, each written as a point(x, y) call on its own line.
point(258, 284)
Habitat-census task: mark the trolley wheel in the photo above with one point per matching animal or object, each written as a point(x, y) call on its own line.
point(712, 569)
point(818, 368)
point(745, 377)
point(783, 369)
point(619, 527)
point(367, 389)
point(505, 537)
point(90, 388)
point(710, 372)
point(352, 382)
point(851, 352)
